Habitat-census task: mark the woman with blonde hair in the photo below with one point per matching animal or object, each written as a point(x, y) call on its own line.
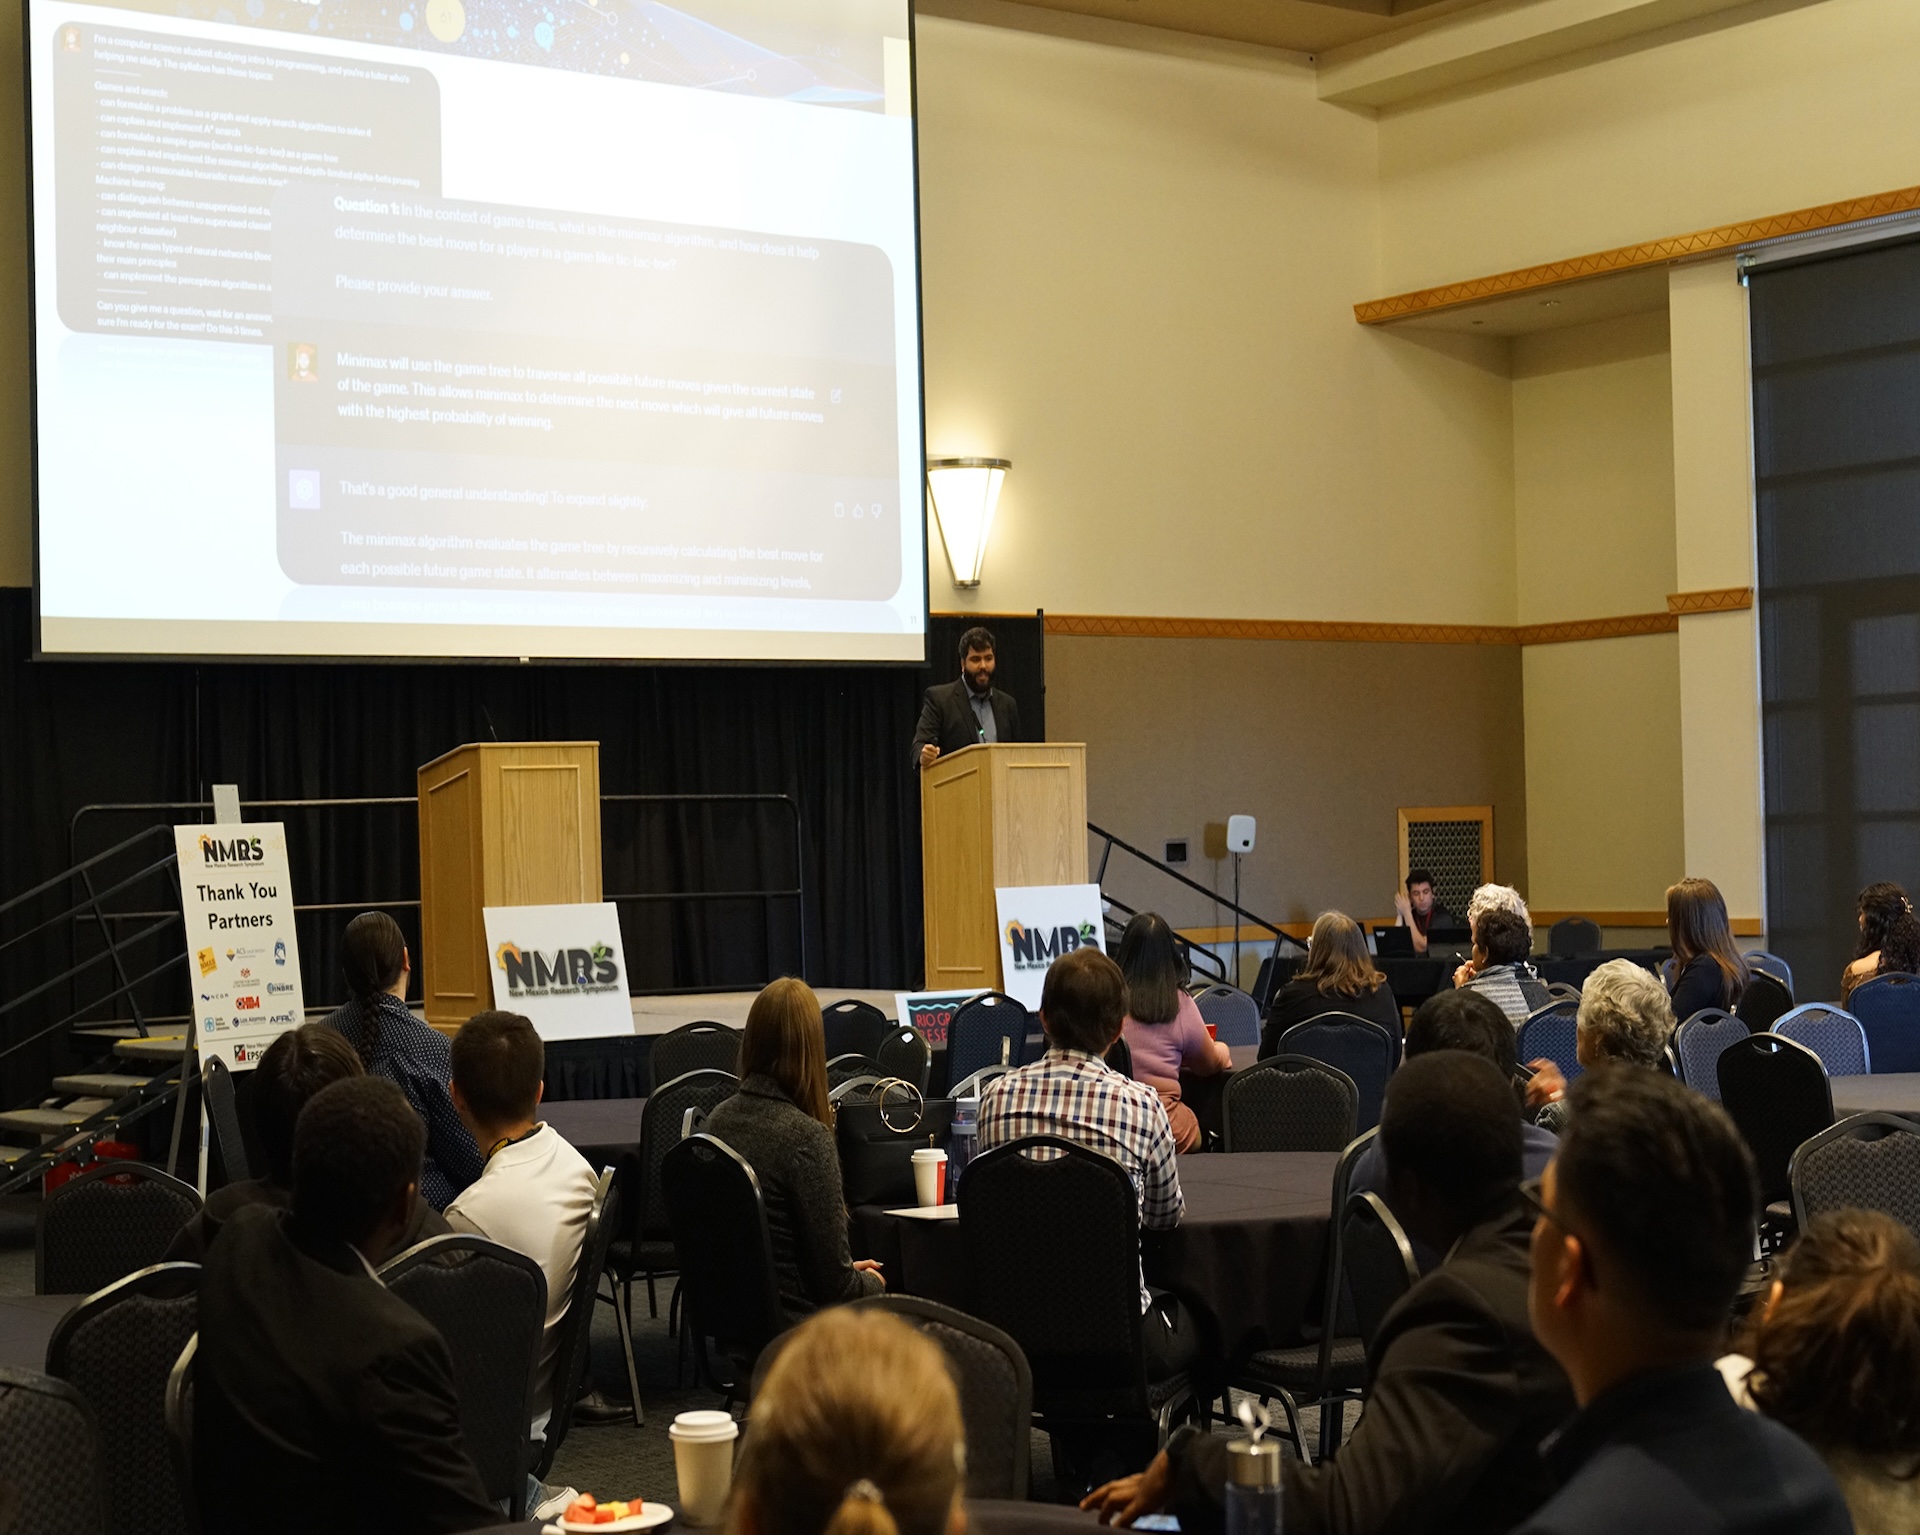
point(855, 1431)
point(1708, 970)
point(1338, 977)
point(781, 1123)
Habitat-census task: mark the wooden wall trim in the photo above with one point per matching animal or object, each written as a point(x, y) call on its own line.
point(1626, 258)
point(1726, 599)
point(1596, 629)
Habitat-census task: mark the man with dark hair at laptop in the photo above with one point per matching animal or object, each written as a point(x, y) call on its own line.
point(1459, 1392)
point(968, 710)
point(1420, 911)
point(322, 1402)
point(1644, 1233)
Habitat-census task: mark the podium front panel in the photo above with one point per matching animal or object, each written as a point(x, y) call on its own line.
point(1040, 835)
point(957, 846)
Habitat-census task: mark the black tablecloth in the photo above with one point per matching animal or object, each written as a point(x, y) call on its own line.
point(1247, 1257)
point(613, 1067)
point(985, 1516)
point(600, 1129)
point(1573, 971)
point(1894, 1092)
point(26, 1322)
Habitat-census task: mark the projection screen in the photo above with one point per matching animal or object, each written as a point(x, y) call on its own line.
point(476, 328)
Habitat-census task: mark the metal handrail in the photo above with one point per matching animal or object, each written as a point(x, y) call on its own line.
point(1113, 842)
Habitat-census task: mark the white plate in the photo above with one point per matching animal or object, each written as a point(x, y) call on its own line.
point(928, 1212)
point(650, 1516)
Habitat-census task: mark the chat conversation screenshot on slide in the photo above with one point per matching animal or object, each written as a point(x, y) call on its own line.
point(613, 306)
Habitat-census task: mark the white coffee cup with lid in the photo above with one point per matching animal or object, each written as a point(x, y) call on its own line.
point(929, 1176)
point(703, 1462)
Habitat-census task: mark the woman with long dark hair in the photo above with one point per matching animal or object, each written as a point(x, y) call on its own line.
point(1338, 977)
point(394, 1044)
point(1163, 1027)
point(1708, 970)
point(1889, 936)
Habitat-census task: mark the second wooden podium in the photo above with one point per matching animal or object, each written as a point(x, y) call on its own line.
point(994, 816)
point(509, 823)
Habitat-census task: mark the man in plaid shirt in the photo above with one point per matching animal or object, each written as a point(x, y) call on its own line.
point(1071, 1092)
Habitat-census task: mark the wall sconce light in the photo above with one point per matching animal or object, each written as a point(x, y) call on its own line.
point(965, 492)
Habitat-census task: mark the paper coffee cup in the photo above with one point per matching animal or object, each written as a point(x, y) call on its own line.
point(703, 1462)
point(930, 1176)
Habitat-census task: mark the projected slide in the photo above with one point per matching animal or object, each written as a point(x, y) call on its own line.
point(502, 328)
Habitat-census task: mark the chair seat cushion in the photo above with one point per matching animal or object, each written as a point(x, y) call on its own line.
point(1298, 1369)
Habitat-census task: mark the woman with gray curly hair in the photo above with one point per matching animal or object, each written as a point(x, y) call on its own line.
point(1625, 1017)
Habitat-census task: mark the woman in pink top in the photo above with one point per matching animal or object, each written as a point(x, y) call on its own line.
point(1163, 1028)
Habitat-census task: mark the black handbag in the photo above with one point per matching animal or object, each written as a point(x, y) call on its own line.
point(878, 1125)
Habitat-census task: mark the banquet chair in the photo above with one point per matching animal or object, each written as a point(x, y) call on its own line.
point(573, 1350)
point(1572, 937)
point(1698, 1043)
point(1120, 1056)
point(1552, 1033)
point(1888, 1007)
point(988, 1030)
point(695, 1047)
point(1835, 1036)
point(490, 1305)
point(719, 1222)
point(1050, 1238)
point(842, 1069)
point(904, 1053)
point(1289, 1103)
point(1563, 991)
point(117, 1348)
point(1378, 1262)
point(975, 1085)
point(178, 1409)
point(51, 1457)
point(105, 1224)
point(1235, 1016)
point(854, 1027)
point(1772, 964)
point(223, 1119)
point(1327, 1371)
point(1866, 1162)
point(1766, 1000)
point(1362, 1049)
point(1777, 1094)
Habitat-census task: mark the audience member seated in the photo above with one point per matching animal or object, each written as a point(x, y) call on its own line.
point(1338, 977)
point(1417, 909)
point(855, 1431)
point(1460, 1393)
point(394, 1044)
point(296, 1066)
point(1624, 1017)
point(536, 1191)
point(1708, 970)
point(1889, 937)
point(781, 1122)
point(1837, 1346)
point(322, 1402)
point(1499, 971)
point(1456, 1020)
point(1486, 898)
point(1071, 1092)
point(1163, 1026)
point(1645, 1230)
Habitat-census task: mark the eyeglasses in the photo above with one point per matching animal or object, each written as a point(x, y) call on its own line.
point(1530, 1192)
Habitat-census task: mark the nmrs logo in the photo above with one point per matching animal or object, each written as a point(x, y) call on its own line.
point(233, 850)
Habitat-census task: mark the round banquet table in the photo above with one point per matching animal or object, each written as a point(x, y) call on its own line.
point(1247, 1257)
point(600, 1129)
point(1893, 1092)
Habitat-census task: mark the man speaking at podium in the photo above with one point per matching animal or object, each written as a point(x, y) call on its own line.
point(968, 710)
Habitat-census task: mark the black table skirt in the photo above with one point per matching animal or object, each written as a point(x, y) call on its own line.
point(600, 1129)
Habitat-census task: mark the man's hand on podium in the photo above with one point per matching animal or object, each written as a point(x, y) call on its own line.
point(928, 753)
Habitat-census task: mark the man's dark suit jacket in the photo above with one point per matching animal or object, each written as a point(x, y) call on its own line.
point(1461, 1396)
point(321, 1402)
point(948, 721)
point(1672, 1454)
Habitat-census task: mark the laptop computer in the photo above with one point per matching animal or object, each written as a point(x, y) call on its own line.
point(1393, 942)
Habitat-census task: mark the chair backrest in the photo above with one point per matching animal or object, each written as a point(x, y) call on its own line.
point(844, 1068)
point(1563, 991)
point(719, 1222)
point(224, 1119)
point(975, 1085)
point(1289, 1103)
point(662, 1122)
point(106, 1224)
point(1698, 1043)
point(1771, 964)
point(854, 1027)
point(1777, 1093)
point(1119, 1056)
point(702, 1046)
point(1334, 1303)
point(988, 1030)
point(179, 1416)
point(1574, 936)
point(1833, 1035)
point(1050, 1233)
point(573, 1347)
point(117, 1348)
point(490, 1305)
point(905, 1053)
point(51, 1450)
point(1377, 1259)
point(1235, 1016)
point(1552, 1033)
point(996, 1391)
point(1888, 1007)
point(1365, 1051)
point(1866, 1162)
point(1764, 1002)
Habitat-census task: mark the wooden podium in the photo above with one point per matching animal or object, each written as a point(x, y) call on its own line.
point(501, 824)
point(993, 816)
